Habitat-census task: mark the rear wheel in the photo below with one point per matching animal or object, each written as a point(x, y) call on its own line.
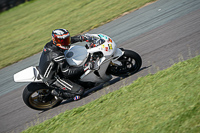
point(38, 96)
point(131, 63)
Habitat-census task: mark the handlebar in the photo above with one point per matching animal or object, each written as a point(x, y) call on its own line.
point(94, 40)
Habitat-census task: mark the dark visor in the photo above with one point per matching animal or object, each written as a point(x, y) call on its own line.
point(63, 42)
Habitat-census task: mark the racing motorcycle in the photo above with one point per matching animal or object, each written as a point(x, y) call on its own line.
point(108, 61)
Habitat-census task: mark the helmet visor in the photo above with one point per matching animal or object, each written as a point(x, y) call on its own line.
point(63, 42)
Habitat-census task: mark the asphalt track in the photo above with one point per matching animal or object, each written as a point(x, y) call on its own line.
point(163, 33)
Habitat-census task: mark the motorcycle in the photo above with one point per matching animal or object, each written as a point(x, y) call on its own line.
point(108, 61)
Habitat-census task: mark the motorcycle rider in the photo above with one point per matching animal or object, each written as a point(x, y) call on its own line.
point(52, 59)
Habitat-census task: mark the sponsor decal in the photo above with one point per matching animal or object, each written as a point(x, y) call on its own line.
point(109, 40)
point(102, 36)
point(106, 49)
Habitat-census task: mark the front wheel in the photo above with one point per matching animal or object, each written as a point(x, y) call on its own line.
point(131, 63)
point(38, 96)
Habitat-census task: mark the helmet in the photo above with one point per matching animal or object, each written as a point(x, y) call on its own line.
point(61, 38)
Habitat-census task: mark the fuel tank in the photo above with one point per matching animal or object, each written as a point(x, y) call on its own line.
point(76, 55)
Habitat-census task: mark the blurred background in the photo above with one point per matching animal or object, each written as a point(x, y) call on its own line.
point(7, 4)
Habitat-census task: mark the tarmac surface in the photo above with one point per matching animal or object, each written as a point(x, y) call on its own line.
point(163, 33)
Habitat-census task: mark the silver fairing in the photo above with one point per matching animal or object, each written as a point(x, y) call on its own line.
point(76, 55)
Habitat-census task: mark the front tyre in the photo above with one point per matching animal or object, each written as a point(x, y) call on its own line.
point(131, 63)
point(38, 96)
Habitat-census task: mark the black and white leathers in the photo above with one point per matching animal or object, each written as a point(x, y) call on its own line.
point(52, 58)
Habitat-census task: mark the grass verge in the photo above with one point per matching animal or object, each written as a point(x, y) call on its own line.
point(168, 101)
point(25, 29)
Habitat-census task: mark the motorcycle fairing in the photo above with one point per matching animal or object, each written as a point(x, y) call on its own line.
point(100, 68)
point(29, 74)
point(118, 53)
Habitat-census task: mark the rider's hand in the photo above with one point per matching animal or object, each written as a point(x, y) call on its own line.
point(87, 38)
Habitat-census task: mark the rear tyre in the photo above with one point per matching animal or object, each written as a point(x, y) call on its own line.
point(38, 96)
point(131, 63)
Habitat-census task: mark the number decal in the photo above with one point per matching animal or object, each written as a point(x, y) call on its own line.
point(110, 46)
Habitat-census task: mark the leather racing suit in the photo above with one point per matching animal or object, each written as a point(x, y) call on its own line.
point(51, 60)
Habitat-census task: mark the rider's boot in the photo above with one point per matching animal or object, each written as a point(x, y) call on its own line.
point(67, 89)
point(65, 95)
point(77, 98)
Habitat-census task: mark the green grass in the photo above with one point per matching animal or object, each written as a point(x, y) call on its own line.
point(168, 101)
point(25, 29)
